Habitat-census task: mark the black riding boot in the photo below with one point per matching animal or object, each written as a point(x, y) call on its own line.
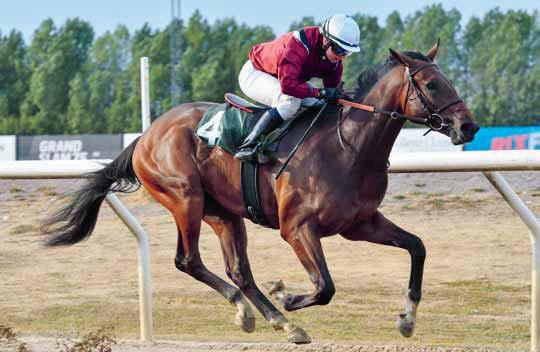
point(269, 120)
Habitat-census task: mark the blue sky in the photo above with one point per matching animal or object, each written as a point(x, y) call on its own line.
point(26, 15)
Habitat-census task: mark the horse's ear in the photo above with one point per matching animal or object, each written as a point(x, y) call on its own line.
point(433, 51)
point(403, 59)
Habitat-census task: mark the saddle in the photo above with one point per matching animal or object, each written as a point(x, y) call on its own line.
point(227, 125)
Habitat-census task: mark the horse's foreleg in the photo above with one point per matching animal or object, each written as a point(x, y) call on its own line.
point(232, 234)
point(380, 230)
point(307, 246)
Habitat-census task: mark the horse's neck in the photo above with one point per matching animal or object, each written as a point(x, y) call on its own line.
point(373, 135)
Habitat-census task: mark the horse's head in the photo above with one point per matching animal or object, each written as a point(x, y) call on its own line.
point(430, 92)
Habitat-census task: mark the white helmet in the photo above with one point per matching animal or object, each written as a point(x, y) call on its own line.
point(343, 31)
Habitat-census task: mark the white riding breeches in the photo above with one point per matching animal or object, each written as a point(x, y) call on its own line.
point(265, 89)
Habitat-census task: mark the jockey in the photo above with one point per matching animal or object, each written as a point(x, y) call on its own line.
point(277, 72)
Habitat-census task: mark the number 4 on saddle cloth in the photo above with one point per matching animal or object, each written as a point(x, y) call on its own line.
point(227, 125)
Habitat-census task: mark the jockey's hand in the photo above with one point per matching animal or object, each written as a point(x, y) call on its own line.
point(331, 95)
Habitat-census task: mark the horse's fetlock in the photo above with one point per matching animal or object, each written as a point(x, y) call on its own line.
point(415, 296)
point(325, 295)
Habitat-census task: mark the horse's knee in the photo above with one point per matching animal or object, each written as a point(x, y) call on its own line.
point(419, 250)
point(324, 296)
point(416, 247)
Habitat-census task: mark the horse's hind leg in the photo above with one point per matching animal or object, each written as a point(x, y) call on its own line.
point(188, 260)
point(180, 191)
point(380, 230)
point(231, 231)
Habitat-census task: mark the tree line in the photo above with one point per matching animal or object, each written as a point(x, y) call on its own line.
point(68, 81)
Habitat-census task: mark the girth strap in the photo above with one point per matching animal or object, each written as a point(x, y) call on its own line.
point(249, 172)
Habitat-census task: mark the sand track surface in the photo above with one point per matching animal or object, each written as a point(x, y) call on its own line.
point(476, 293)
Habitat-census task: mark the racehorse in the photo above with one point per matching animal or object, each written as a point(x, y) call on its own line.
point(333, 185)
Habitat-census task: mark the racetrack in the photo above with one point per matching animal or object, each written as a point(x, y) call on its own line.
point(476, 284)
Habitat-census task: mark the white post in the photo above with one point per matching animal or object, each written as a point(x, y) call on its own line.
point(145, 93)
point(528, 217)
point(145, 278)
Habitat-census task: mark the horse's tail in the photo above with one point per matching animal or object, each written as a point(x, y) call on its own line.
point(76, 221)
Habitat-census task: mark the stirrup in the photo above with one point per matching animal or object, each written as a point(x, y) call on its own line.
point(247, 153)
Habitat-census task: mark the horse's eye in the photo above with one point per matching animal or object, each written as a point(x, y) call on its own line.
point(431, 85)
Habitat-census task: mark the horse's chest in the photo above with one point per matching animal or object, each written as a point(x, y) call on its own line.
point(348, 205)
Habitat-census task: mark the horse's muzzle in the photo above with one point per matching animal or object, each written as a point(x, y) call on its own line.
point(465, 134)
point(468, 130)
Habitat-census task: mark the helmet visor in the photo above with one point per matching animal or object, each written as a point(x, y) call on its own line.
point(338, 50)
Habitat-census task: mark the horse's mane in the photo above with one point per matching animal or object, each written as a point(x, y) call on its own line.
point(369, 77)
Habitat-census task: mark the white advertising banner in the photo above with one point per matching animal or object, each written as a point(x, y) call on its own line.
point(128, 138)
point(8, 148)
point(413, 140)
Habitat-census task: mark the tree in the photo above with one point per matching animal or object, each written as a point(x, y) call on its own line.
point(371, 35)
point(56, 56)
point(196, 50)
point(110, 58)
point(14, 75)
point(424, 28)
point(306, 21)
point(501, 52)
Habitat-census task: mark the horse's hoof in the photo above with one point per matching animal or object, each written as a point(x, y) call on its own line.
point(247, 324)
point(287, 302)
point(297, 336)
point(405, 325)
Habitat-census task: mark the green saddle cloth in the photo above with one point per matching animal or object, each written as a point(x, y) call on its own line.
point(226, 126)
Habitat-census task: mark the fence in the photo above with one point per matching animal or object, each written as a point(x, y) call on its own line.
point(487, 162)
point(76, 169)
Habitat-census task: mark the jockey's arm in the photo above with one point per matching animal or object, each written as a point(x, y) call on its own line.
point(289, 69)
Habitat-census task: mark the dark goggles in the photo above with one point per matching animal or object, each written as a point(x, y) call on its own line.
point(339, 51)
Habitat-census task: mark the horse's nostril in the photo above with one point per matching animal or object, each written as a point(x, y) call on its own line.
point(469, 129)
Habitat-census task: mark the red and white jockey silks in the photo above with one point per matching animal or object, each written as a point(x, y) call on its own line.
point(265, 89)
point(278, 71)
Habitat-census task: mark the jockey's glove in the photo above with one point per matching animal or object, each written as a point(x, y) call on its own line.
point(331, 95)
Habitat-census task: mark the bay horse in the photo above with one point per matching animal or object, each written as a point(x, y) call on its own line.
point(333, 185)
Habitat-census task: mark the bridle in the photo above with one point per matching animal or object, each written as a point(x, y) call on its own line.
point(433, 119)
